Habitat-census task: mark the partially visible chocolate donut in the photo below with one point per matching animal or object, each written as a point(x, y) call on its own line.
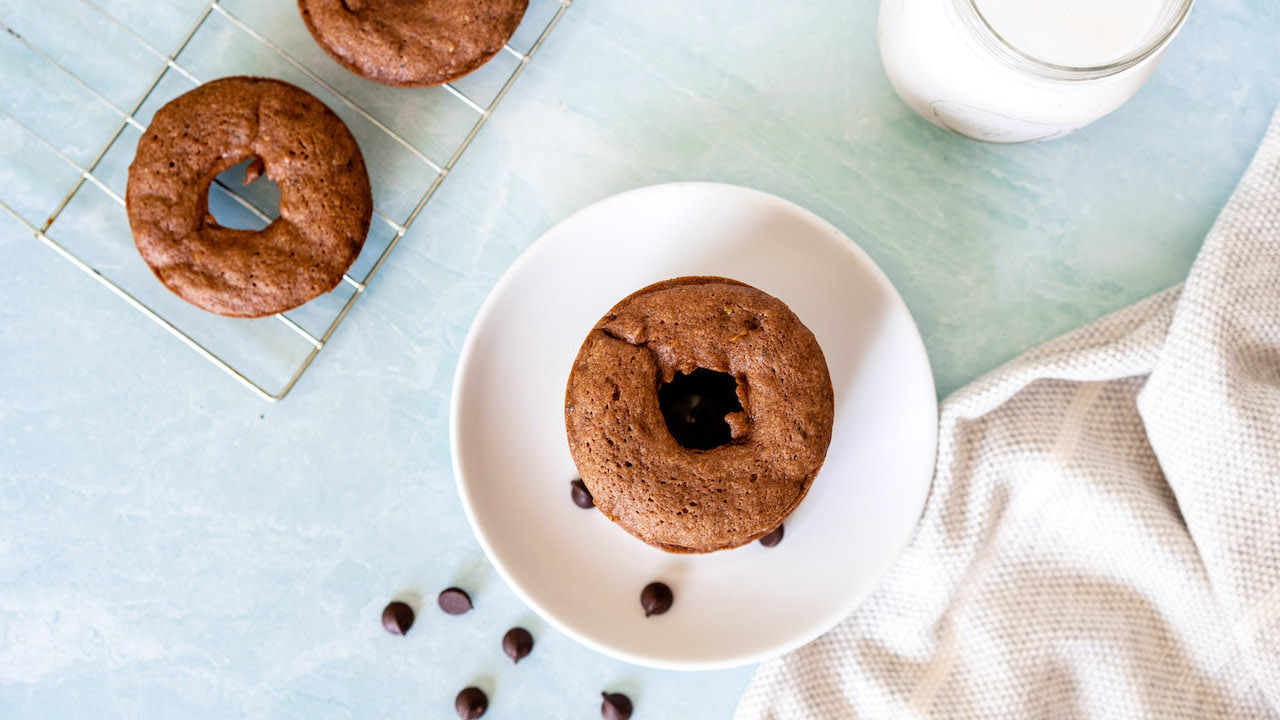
point(698, 412)
point(412, 43)
point(325, 199)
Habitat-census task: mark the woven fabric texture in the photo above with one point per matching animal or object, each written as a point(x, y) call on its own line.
point(1103, 535)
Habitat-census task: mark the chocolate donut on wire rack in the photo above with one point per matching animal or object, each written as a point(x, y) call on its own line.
point(325, 198)
point(412, 43)
point(698, 412)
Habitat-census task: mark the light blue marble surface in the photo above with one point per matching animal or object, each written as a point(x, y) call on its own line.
point(171, 546)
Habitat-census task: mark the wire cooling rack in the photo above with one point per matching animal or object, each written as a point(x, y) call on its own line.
point(80, 80)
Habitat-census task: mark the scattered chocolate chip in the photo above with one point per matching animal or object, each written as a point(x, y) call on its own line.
point(581, 495)
point(397, 618)
point(517, 644)
point(616, 706)
point(772, 538)
point(655, 598)
point(471, 703)
point(454, 601)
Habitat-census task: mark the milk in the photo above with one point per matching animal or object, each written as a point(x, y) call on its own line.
point(1074, 33)
point(1022, 70)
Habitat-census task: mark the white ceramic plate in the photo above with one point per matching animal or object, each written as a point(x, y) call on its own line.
point(584, 574)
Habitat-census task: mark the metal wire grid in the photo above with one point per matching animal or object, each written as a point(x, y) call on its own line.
point(127, 119)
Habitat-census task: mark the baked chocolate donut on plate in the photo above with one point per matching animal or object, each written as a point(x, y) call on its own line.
point(325, 199)
point(698, 412)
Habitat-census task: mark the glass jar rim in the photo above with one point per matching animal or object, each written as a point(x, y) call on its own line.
point(987, 36)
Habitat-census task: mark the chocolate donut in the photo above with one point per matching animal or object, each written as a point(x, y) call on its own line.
point(698, 412)
point(412, 43)
point(325, 199)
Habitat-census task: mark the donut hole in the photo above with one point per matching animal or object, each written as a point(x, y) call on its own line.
point(262, 193)
point(694, 406)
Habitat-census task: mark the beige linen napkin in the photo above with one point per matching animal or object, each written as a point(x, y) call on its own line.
point(1103, 535)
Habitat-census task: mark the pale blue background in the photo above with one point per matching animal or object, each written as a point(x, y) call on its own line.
point(172, 546)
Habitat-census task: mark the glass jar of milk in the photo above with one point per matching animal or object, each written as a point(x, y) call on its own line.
point(1021, 70)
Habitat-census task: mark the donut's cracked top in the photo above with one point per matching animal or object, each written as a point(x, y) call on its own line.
point(412, 43)
point(325, 198)
point(698, 500)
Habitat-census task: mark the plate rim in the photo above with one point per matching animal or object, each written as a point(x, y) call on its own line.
point(455, 403)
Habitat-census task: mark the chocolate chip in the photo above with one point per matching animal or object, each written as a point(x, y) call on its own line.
point(454, 601)
point(581, 495)
point(471, 703)
point(397, 618)
point(772, 538)
point(616, 706)
point(517, 644)
point(655, 598)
